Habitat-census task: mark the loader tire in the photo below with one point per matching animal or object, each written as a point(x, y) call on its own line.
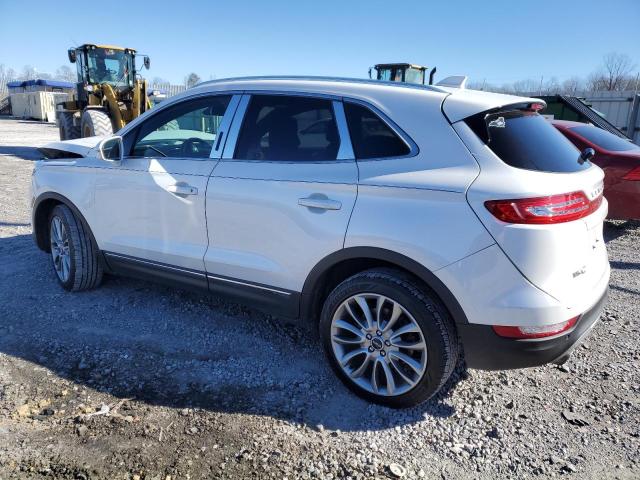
point(67, 130)
point(95, 123)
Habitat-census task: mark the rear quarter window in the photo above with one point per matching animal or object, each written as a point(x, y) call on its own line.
point(371, 137)
point(525, 140)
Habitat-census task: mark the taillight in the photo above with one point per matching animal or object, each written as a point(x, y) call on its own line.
point(544, 210)
point(633, 175)
point(541, 331)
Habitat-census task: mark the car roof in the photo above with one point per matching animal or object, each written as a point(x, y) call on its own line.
point(456, 103)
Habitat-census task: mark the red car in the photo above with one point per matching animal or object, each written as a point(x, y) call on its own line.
point(620, 160)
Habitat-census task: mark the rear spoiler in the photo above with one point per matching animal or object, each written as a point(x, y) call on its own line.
point(463, 103)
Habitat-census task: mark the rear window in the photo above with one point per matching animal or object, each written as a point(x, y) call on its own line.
point(604, 139)
point(526, 140)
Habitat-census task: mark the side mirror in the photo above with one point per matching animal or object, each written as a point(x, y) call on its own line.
point(111, 149)
point(586, 155)
point(72, 55)
point(147, 62)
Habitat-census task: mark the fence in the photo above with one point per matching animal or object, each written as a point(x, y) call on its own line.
point(620, 108)
point(168, 89)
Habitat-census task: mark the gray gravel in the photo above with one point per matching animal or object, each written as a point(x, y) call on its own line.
point(135, 380)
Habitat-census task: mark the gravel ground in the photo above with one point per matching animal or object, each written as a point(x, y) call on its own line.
point(136, 381)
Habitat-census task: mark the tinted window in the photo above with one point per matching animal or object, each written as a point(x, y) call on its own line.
point(371, 137)
point(604, 139)
point(526, 140)
point(187, 130)
point(278, 127)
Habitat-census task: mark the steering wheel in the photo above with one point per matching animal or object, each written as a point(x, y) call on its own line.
point(195, 147)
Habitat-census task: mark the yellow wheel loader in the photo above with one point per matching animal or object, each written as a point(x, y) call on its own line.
point(109, 92)
point(402, 72)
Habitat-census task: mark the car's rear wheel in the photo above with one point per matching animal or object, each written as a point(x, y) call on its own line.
point(388, 340)
point(74, 254)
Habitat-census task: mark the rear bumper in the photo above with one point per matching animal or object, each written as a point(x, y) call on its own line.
point(485, 350)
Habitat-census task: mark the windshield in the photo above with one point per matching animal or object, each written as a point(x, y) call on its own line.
point(111, 66)
point(390, 74)
point(606, 140)
point(524, 139)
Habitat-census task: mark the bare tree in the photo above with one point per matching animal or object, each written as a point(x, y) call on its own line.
point(551, 87)
point(572, 85)
point(66, 74)
point(28, 73)
point(191, 80)
point(7, 74)
point(159, 81)
point(614, 74)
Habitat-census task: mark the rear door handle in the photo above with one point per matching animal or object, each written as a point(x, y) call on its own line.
point(182, 189)
point(320, 203)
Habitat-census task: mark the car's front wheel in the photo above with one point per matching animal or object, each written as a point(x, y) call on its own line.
point(74, 254)
point(387, 339)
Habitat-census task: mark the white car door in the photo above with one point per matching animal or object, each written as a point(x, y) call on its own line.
point(150, 208)
point(279, 200)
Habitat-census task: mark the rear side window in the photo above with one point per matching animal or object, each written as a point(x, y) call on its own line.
point(604, 139)
point(279, 127)
point(524, 139)
point(371, 137)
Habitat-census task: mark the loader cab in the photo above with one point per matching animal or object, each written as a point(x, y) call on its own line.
point(104, 64)
point(401, 72)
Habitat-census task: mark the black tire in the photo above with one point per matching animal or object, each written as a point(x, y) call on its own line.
point(85, 267)
point(431, 316)
point(95, 122)
point(65, 124)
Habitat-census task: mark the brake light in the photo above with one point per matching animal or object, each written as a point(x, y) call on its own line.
point(633, 175)
point(541, 331)
point(544, 210)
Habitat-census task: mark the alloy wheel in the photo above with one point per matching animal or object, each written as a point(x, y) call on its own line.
point(378, 344)
point(60, 249)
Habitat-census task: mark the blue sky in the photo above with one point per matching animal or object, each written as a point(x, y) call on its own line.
point(500, 41)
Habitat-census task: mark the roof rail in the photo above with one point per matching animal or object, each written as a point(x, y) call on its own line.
point(322, 79)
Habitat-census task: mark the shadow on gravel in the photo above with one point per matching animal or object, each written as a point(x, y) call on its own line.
point(13, 224)
point(25, 153)
point(625, 265)
point(176, 349)
point(614, 229)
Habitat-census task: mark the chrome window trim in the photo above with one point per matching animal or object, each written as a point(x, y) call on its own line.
point(414, 150)
point(236, 124)
point(223, 129)
point(345, 152)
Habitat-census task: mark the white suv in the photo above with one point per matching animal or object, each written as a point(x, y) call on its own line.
point(410, 224)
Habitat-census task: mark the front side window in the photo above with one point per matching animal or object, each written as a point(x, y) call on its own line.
point(371, 137)
point(186, 130)
point(288, 128)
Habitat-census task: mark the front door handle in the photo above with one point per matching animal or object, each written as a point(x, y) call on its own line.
point(320, 203)
point(179, 189)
